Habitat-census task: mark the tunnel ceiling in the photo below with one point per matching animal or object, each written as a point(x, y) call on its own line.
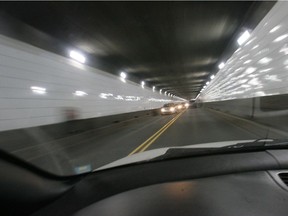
point(175, 46)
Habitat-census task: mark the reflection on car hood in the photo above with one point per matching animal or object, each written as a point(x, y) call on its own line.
point(148, 155)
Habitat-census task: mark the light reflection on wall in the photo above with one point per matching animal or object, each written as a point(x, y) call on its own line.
point(259, 66)
point(110, 96)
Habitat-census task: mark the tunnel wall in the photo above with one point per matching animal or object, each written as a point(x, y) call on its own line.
point(23, 66)
point(268, 110)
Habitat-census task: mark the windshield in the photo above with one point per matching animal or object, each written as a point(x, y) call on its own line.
point(84, 84)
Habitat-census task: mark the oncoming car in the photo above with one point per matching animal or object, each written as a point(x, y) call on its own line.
point(168, 109)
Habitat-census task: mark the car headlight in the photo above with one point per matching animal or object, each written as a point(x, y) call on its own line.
point(162, 110)
point(186, 105)
point(180, 107)
point(172, 109)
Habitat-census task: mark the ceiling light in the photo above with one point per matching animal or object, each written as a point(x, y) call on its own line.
point(274, 29)
point(77, 56)
point(248, 61)
point(207, 83)
point(123, 75)
point(244, 37)
point(221, 65)
point(80, 93)
point(212, 77)
point(280, 38)
point(264, 60)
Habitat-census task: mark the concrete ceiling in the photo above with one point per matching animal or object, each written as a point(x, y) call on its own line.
point(174, 46)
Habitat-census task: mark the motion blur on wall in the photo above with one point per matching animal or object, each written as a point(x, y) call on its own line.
point(42, 88)
point(253, 82)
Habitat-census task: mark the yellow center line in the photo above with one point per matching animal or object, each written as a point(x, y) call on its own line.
point(150, 140)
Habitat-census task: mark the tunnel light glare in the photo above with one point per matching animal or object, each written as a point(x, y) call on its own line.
point(280, 38)
point(284, 49)
point(264, 60)
point(256, 46)
point(212, 77)
point(248, 61)
point(274, 29)
point(244, 56)
point(80, 93)
point(123, 75)
point(207, 83)
point(142, 84)
point(265, 70)
point(123, 80)
point(221, 65)
point(244, 37)
point(153, 88)
point(250, 70)
point(38, 90)
point(77, 56)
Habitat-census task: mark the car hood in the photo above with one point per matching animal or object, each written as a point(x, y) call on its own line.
point(151, 154)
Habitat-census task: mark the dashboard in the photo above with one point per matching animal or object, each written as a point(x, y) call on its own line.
point(247, 183)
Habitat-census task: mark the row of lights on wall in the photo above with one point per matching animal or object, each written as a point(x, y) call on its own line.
point(41, 90)
point(123, 77)
point(81, 59)
point(241, 40)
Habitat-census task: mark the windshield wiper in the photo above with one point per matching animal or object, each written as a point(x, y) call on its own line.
point(260, 144)
point(257, 145)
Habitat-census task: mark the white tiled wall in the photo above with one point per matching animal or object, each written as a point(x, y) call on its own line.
point(23, 66)
point(244, 76)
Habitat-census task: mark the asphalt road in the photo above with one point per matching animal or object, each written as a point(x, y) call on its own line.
point(97, 148)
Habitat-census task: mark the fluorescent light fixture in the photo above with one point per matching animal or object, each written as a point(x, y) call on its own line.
point(244, 37)
point(80, 93)
point(123, 75)
point(77, 56)
point(153, 88)
point(160, 91)
point(221, 65)
point(274, 29)
point(282, 37)
point(264, 60)
point(142, 84)
point(38, 90)
point(212, 77)
point(207, 83)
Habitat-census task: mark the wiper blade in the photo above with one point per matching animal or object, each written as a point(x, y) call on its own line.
point(257, 145)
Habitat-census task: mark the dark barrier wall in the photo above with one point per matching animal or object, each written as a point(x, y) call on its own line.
point(269, 110)
point(14, 140)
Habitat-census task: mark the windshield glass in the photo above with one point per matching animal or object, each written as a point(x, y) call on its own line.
point(85, 84)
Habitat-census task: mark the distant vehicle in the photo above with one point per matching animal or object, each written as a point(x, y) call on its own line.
point(182, 106)
point(168, 109)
